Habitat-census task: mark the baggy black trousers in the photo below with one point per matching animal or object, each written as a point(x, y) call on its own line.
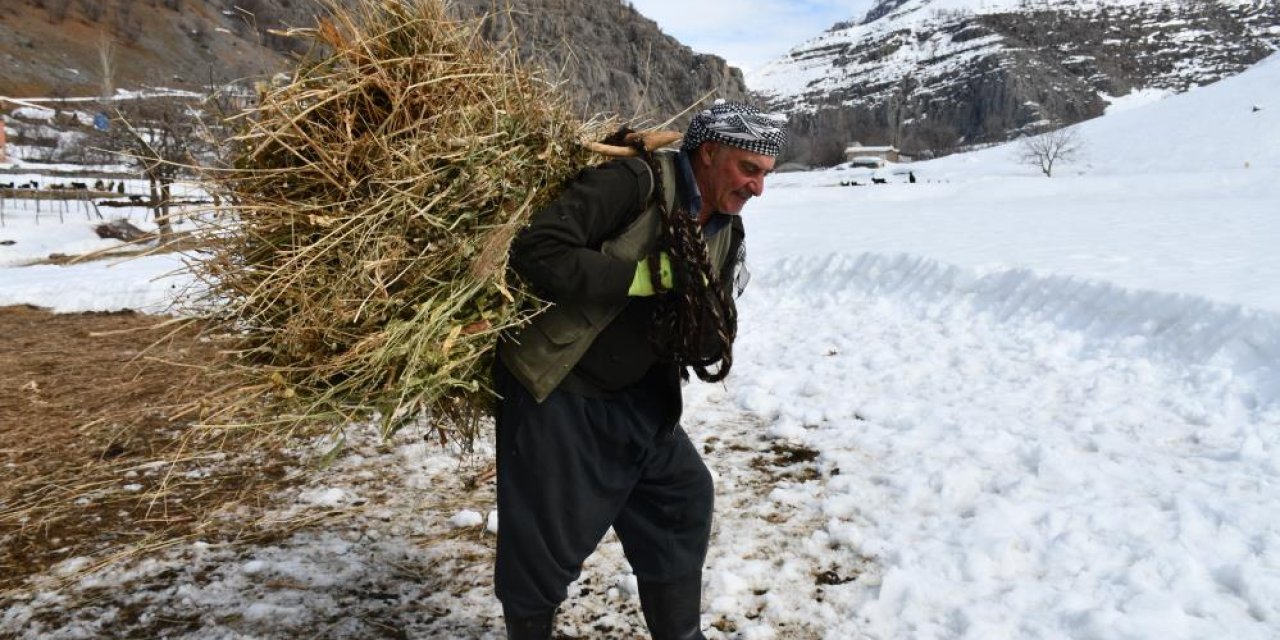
point(571, 467)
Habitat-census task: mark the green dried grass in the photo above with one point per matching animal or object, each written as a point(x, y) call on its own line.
point(375, 195)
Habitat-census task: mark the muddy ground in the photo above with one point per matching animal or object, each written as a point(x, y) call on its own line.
point(101, 480)
point(94, 463)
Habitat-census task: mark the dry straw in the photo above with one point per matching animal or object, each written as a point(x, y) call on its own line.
point(361, 270)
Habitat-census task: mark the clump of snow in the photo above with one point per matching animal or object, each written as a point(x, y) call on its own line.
point(72, 566)
point(466, 519)
point(34, 113)
point(325, 497)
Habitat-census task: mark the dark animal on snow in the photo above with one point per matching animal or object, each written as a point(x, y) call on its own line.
point(879, 180)
point(6, 185)
point(97, 185)
point(79, 186)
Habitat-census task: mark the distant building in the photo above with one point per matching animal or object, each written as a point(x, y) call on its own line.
point(873, 157)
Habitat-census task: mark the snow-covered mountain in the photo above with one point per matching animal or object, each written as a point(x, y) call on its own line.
point(929, 75)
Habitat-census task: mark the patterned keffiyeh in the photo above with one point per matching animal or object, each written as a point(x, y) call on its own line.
point(738, 125)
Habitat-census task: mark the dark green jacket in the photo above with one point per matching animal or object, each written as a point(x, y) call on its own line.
point(580, 253)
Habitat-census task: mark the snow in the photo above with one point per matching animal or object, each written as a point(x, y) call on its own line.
point(45, 228)
point(1134, 99)
point(34, 113)
point(325, 497)
point(986, 405)
point(924, 40)
point(466, 518)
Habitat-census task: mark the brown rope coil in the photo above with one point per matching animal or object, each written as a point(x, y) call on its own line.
point(696, 322)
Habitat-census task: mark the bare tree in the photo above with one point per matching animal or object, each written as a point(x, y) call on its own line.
point(167, 138)
point(107, 58)
point(1048, 149)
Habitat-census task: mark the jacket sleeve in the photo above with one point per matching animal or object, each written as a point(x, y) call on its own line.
point(559, 251)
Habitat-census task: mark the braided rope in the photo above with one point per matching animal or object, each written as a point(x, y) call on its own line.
point(697, 324)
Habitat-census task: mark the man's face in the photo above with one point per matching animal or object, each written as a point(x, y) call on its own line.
point(728, 176)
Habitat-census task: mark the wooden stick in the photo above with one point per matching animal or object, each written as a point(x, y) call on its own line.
point(610, 150)
point(651, 139)
point(655, 139)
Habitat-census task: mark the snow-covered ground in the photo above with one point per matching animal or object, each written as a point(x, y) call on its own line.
point(985, 405)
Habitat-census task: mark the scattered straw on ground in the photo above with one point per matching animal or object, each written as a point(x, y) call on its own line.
point(93, 465)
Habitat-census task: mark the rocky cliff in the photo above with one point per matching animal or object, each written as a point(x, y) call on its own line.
point(930, 76)
point(610, 58)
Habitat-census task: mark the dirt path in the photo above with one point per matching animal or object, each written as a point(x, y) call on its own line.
point(87, 440)
point(103, 533)
point(367, 550)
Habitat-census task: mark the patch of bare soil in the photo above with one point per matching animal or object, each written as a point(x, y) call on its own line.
point(95, 464)
point(751, 468)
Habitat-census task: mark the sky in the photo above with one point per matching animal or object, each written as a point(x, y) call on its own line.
point(748, 33)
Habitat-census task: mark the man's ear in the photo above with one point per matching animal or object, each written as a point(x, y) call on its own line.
point(707, 153)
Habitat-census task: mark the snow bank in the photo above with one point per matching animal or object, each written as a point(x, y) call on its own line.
point(1180, 328)
point(149, 284)
point(1014, 455)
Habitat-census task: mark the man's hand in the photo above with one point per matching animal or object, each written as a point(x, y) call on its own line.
point(642, 283)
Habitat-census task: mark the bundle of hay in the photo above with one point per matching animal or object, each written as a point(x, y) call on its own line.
point(375, 195)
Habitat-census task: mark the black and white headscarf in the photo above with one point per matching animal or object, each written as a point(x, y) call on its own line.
point(738, 125)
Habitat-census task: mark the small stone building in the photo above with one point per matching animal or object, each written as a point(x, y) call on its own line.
point(871, 156)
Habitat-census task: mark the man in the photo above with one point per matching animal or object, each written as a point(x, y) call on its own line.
point(638, 261)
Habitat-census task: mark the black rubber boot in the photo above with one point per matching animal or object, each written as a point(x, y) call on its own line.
point(673, 609)
point(531, 628)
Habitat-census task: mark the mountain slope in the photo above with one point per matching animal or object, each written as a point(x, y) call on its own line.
point(611, 58)
point(930, 75)
point(1232, 125)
